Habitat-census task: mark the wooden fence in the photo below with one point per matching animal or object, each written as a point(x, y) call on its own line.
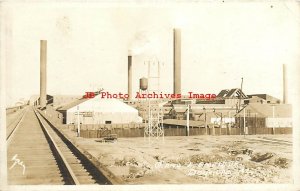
point(180, 131)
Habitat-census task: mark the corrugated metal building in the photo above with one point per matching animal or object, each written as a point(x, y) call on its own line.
point(282, 114)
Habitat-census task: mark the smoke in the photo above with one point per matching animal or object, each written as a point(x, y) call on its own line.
point(147, 42)
point(139, 44)
point(63, 24)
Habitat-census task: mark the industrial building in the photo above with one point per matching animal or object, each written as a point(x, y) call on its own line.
point(226, 101)
point(35, 99)
point(99, 111)
point(230, 108)
point(273, 115)
point(55, 100)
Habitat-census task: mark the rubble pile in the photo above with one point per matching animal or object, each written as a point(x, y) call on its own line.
point(258, 157)
point(226, 167)
point(136, 169)
point(233, 163)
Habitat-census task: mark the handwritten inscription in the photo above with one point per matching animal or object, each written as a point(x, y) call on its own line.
point(17, 162)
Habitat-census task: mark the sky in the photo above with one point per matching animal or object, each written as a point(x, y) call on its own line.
point(88, 45)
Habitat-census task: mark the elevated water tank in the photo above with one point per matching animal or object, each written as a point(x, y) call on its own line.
point(143, 84)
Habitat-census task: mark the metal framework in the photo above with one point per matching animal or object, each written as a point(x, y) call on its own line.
point(154, 124)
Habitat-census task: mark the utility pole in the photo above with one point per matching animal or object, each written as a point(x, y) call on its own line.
point(188, 120)
point(244, 122)
point(240, 97)
point(230, 123)
point(273, 109)
point(78, 122)
point(205, 121)
point(221, 123)
point(255, 123)
point(239, 106)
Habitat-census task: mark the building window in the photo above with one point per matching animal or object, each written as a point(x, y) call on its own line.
point(107, 122)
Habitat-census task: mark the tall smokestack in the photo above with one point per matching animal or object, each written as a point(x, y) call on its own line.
point(43, 73)
point(129, 77)
point(177, 60)
point(285, 94)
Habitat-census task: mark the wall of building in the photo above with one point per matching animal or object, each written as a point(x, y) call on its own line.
point(103, 118)
point(33, 99)
point(279, 122)
point(256, 99)
point(251, 122)
point(59, 100)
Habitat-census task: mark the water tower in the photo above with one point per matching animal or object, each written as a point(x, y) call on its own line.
point(143, 84)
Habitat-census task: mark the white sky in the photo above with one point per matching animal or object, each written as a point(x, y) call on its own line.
point(88, 44)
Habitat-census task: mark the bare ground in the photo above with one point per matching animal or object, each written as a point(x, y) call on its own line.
point(195, 159)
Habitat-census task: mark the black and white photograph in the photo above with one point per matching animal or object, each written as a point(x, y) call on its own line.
point(143, 95)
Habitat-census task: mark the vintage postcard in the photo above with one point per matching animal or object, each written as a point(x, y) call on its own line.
point(150, 95)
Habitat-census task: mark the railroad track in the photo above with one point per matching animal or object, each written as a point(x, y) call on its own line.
point(272, 141)
point(45, 157)
point(279, 140)
point(13, 125)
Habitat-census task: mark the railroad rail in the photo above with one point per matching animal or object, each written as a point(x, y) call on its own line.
point(272, 141)
point(13, 125)
point(41, 155)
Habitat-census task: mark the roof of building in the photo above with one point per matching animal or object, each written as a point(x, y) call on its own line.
point(100, 105)
point(263, 96)
point(232, 93)
point(217, 101)
point(72, 104)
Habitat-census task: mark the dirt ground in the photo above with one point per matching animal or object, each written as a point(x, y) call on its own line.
point(195, 159)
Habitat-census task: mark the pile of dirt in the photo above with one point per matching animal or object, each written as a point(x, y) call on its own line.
point(259, 157)
point(197, 158)
point(136, 167)
point(280, 162)
point(205, 158)
point(127, 160)
point(236, 150)
point(181, 161)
